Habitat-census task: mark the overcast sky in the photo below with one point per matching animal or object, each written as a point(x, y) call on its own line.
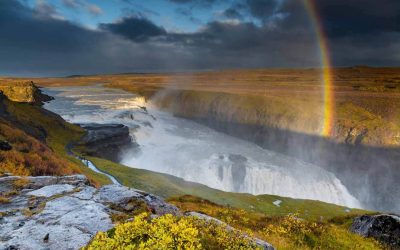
point(64, 37)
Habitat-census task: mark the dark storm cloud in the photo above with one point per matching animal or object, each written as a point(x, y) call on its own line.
point(357, 17)
point(31, 30)
point(261, 8)
point(33, 41)
point(358, 31)
point(137, 29)
point(34, 44)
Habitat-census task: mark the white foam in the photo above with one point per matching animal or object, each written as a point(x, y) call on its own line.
point(197, 153)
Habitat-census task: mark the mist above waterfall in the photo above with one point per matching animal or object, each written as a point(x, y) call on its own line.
point(195, 152)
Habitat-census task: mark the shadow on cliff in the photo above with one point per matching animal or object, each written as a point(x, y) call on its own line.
point(371, 174)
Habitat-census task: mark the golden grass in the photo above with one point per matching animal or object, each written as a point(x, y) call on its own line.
point(284, 98)
point(283, 232)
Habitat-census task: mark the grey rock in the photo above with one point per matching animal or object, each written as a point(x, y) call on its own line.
point(41, 181)
point(107, 140)
point(7, 183)
point(85, 193)
point(51, 190)
point(122, 197)
point(15, 203)
point(65, 212)
point(383, 227)
point(116, 194)
point(159, 206)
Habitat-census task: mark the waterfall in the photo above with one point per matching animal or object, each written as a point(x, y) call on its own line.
point(197, 153)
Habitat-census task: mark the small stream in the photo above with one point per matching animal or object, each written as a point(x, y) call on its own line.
point(93, 167)
point(90, 164)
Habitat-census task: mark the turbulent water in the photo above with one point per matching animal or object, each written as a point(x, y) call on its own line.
point(197, 153)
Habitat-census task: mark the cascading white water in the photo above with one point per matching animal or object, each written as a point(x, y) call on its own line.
point(197, 153)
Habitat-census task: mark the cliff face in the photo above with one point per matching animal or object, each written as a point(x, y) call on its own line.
point(361, 151)
point(353, 124)
point(26, 92)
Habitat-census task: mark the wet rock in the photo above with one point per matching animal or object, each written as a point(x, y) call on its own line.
point(383, 227)
point(107, 140)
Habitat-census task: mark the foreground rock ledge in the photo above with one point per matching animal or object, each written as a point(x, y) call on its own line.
point(65, 212)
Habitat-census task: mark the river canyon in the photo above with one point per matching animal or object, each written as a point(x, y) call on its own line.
point(194, 152)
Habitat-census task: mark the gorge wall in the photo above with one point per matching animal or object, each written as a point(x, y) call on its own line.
point(362, 151)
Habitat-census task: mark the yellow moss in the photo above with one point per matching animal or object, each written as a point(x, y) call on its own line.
point(170, 232)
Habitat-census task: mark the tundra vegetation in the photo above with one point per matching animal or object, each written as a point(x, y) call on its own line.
point(39, 140)
point(171, 232)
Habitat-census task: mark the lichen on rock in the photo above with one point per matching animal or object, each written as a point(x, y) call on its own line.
point(64, 212)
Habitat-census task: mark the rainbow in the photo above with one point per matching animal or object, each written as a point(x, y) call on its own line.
point(329, 107)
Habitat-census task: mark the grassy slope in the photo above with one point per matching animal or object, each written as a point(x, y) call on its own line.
point(168, 186)
point(283, 232)
point(323, 225)
point(40, 123)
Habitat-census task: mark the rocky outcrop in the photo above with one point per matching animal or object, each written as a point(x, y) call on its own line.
point(65, 212)
point(51, 212)
point(383, 227)
point(107, 140)
point(26, 92)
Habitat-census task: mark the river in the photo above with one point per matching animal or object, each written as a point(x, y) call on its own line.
point(195, 152)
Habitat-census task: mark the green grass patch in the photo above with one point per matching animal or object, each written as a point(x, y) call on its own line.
point(168, 186)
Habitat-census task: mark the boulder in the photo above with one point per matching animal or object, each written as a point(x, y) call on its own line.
point(107, 140)
point(383, 227)
point(64, 212)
